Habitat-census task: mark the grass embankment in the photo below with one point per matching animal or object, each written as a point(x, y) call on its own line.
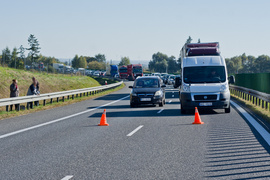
point(48, 83)
point(262, 113)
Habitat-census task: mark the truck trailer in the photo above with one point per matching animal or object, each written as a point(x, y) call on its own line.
point(134, 71)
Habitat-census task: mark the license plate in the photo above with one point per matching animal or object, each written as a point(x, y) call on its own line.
point(206, 104)
point(145, 99)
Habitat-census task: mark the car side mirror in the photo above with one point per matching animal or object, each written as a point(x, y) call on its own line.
point(130, 87)
point(178, 82)
point(163, 86)
point(231, 79)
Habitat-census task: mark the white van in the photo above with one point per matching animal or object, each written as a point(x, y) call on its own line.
point(204, 82)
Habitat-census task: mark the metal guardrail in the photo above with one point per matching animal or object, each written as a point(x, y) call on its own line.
point(257, 98)
point(43, 97)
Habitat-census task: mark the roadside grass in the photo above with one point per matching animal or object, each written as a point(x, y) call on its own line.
point(263, 113)
point(5, 115)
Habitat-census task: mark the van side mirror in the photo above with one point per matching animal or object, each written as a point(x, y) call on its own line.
point(231, 79)
point(130, 87)
point(178, 82)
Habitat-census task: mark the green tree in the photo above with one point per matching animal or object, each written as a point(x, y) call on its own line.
point(262, 64)
point(82, 62)
point(75, 61)
point(162, 63)
point(100, 58)
point(90, 59)
point(34, 47)
point(14, 58)
point(124, 61)
point(173, 66)
point(22, 57)
point(6, 56)
point(95, 65)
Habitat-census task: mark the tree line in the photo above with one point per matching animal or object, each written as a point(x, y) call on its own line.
point(98, 62)
point(163, 63)
point(16, 58)
point(248, 64)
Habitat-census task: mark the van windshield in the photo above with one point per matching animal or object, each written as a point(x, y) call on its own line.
point(204, 74)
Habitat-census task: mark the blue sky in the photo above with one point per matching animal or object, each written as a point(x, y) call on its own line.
point(135, 28)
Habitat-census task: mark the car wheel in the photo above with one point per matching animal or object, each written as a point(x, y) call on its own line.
point(228, 110)
point(132, 105)
point(183, 111)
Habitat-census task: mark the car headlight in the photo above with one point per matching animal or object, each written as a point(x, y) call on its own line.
point(158, 93)
point(186, 88)
point(133, 93)
point(223, 87)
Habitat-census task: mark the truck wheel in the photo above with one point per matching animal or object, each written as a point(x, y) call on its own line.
point(228, 110)
point(183, 111)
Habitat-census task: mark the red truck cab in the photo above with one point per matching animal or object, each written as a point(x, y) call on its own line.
point(123, 72)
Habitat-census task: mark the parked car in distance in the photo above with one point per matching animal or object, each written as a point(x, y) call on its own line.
point(171, 79)
point(166, 78)
point(147, 90)
point(156, 74)
point(96, 73)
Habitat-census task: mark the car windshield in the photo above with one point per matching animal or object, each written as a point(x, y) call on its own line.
point(137, 70)
point(147, 83)
point(204, 74)
point(123, 70)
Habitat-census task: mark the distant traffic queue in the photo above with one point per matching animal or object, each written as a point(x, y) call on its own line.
point(130, 72)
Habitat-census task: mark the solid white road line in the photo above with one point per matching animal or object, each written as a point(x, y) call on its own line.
point(58, 120)
point(264, 133)
point(160, 111)
point(67, 177)
point(135, 130)
point(170, 101)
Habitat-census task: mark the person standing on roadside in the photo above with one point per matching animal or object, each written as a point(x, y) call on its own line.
point(14, 92)
point(33, 90)
point(34, 79)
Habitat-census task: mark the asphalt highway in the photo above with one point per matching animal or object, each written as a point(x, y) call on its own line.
point(140, 143)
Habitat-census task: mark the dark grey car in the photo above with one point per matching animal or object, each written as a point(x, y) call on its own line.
point(147, 90)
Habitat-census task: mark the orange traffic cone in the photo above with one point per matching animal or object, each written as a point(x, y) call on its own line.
point(103, 120)
point(197, 117)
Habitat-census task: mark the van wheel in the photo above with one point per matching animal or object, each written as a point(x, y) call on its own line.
point(228, 110)
point(183, 111)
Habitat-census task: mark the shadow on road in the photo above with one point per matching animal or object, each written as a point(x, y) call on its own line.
point(236, 153)
point(140, 113)
point(112, 97)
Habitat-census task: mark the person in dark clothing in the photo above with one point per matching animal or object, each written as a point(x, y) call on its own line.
point(14, 92)
point(33, 90)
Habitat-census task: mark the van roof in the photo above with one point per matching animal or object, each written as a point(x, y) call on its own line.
point(203, 61)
